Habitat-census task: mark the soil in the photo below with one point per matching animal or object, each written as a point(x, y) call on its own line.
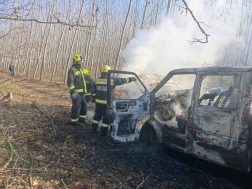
point(33, 157)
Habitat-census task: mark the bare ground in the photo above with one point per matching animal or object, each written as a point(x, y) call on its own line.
point(31, 156)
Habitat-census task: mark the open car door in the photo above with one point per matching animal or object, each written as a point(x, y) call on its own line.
point(127, 116)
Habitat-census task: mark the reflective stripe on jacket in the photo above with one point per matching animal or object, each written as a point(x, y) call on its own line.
point(100, 87)
point(77, 80)
point(89, 83)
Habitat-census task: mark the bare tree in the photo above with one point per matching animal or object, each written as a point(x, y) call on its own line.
point(38, 38)
point(73, 43)
point(60, 41)
point(168, 7)
point(144, 13)
point(122, 35)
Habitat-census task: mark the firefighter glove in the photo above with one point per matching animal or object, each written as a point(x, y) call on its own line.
point(74, 95)
point(133, 79)
point(93, 99)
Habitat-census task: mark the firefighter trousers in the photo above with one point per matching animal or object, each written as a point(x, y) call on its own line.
point(88, 98)
point(79, 108)
point(101, 113)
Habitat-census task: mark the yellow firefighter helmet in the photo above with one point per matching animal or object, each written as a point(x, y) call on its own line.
point(105, 69)
point(77, 58)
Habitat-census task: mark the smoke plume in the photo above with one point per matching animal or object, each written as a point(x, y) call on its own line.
point(163, 48)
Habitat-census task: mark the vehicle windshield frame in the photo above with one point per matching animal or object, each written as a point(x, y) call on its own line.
point(122, 72)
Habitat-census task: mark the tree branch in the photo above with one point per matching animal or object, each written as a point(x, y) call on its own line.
point(10, 31)
point(204, 40)
point(143, 180)
point(43, 22)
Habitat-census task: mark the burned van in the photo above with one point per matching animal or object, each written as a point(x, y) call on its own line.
point(205, 112)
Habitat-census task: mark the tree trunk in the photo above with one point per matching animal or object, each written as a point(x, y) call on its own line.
point(60, 41)
point(156, 17)
point(145, 8)
point(168, 10)
point(122, 35)
point(46, 42)
point(86, 59)
point(135, 21)
point(39, 54)
point(75, 34)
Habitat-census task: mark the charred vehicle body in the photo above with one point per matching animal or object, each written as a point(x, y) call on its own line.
point(205, 112)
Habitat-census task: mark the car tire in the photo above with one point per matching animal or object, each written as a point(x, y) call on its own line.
point(148, 135)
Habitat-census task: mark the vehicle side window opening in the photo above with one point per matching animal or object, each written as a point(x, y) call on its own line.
point(173, 100)
point(219, 91)
point(132, 90)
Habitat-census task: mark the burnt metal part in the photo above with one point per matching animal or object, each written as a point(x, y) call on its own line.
point(214, 131)
point(209, 97)
point(148, 135)
point(182, 120)
point(128, 116)
point(164, 104)
point(220, 139)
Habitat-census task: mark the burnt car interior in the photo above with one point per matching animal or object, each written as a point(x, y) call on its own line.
point(172, 102)
point(219, 91)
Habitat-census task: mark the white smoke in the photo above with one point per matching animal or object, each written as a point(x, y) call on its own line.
point(165, 47)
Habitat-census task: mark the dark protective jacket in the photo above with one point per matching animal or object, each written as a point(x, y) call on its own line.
point(11, 68)
point(100, 87)
point(89, 83)
point(77, 80)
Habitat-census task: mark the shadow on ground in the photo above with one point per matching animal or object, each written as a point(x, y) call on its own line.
point(85, 160)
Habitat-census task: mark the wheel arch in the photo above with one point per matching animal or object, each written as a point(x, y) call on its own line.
point(152, 124)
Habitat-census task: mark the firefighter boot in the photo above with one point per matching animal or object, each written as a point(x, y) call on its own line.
point(104, 131)
point(94, 127)
point(82, 120)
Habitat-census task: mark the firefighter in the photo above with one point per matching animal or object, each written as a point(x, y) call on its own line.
point(89, 84)
point(99, 96)
point(76, 82)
